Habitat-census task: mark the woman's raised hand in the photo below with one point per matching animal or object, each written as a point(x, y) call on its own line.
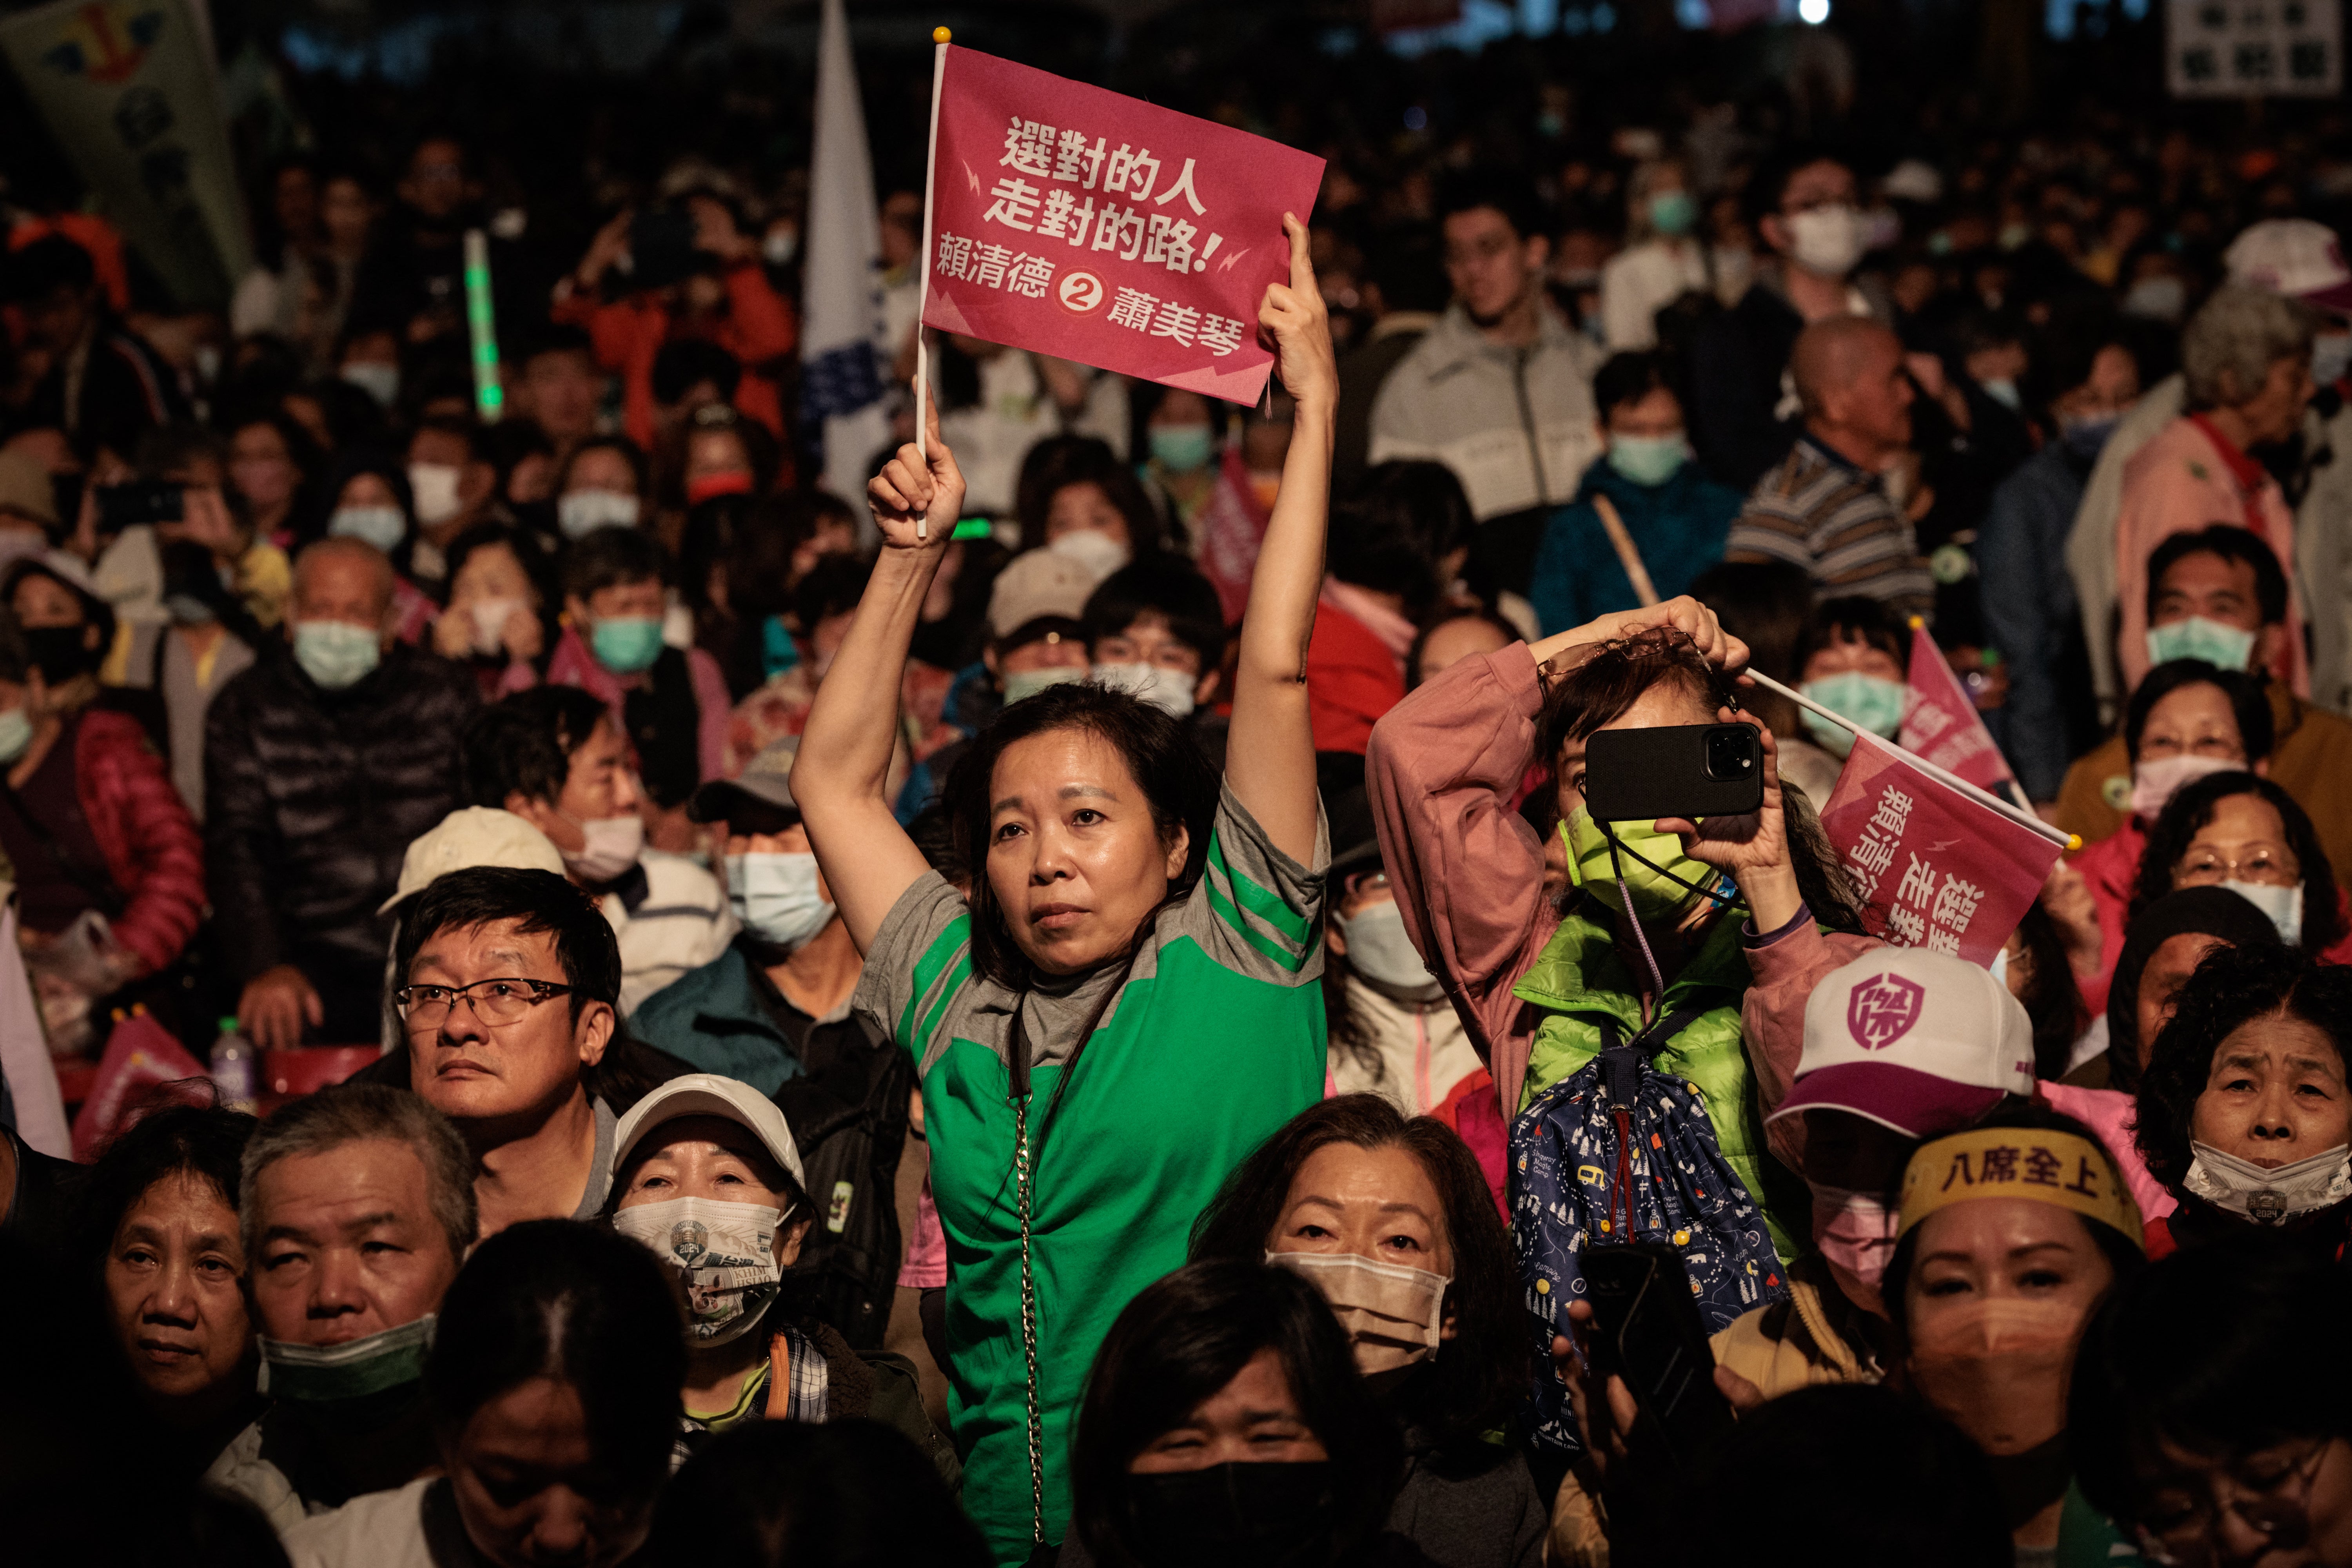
point(917, 502)
point(1683, 614)
point(1294, 317)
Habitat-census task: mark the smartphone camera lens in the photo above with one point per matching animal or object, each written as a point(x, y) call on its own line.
point(1731, 753)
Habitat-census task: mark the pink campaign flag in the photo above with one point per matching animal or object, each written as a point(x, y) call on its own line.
point(1096, 227)
point(1934, 867)
point(1940, 720)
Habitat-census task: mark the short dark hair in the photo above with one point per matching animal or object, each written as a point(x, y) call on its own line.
point(2191, 809)
point(2232, 986)
point(1511, 194)
point(41, 269)
point(1477, 1376)
point(205, 1143)
point(1408, 264)
point(1187, 1336)
point(1853, 617)
point(2267, 1362)
point(2249, 703)
point(1630, 376)
point(1768, 186)
point(1058, 462)
point(95, 611)
point(634, 453)
point(680, 363)
point(523, 743)
point(612, 556)
point(546, 338)
point(1168, 586)
point(2080, 328)
point(541, 903)
point(529, 551)
point(2217, 913)
point(1161, 753)
point(765, 1494)
point(2230, 544)
point(567, 1299)
point(833, 587)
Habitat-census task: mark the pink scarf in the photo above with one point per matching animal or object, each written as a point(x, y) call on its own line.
point(1396, 633)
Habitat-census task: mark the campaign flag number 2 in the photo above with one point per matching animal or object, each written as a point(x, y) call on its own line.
point(1099, 228)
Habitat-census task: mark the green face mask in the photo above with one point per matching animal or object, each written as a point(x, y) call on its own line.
point(1656, 897)
point(325, 1375)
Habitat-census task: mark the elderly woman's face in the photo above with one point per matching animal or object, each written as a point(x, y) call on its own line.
point(1375, 1202)
point(710, 1157)
point(1075, 859)
point(530, 1487)
point(2274, 411)
point(175, 1277)
point(2279, 1507)
point(2275, 1094)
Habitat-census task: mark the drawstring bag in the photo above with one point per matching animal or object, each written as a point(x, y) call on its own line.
point(1618, 1152)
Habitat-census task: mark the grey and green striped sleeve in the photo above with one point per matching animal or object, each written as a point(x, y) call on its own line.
point(920, 959)
point(1257, 911)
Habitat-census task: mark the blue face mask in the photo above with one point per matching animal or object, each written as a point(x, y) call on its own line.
point(776, 897)
point(1872, 702)
point(1648, 459)
point(2223, 648)
point(2085, 438)
point(382, 526)
point(1673, 212)
point(336, 654)
point(15, 734)
point(627, 645)
point(778, 651)
point(1182, 449)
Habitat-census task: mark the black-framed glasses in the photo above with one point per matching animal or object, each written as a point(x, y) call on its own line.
point(500, 1001)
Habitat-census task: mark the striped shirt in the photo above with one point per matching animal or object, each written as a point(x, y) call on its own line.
point(1819, 511)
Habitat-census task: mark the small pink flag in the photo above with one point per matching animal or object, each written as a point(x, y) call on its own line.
point(1096, 228)
point(139, 1054)
point(1940, 720)
point(1935, 868)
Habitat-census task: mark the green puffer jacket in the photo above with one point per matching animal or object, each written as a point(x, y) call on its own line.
point(1578, 979)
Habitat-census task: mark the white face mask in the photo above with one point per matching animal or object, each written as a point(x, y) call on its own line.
point(726, 1252)
point(2159, 779)
point(1855, 1233)
point(583, 512)
point(1395, 1315)
point(1093, 548)
point(1827, 241)
point(776, 897)
point(1383, 955)
point(1170, 690)
point(2269, 1196)
point(379, 381)
point(613, 844)
point(490, 623)
point(1021, 683)
point(2284, 906)
point(435, 486)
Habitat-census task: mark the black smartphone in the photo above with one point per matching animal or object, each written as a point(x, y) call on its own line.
point(1688, 771)
point(142, 500)
point(661, 247)
point(1646, 1329)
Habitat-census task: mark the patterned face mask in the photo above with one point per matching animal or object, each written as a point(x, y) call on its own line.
point(725, 1254)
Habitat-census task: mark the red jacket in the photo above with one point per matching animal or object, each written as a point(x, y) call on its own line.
point(1351, 679)
point(758, 326)
point(153, 851)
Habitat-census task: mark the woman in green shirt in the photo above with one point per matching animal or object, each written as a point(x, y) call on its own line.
point(1126, 1001)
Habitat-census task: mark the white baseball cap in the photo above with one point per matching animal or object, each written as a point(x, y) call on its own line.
point(1924, 1043)
point(710, 1094)
point(1037, 585)
point(470, 836)
point(2295, 256)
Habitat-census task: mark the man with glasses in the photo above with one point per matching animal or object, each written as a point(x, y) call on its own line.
point(1500, 390)
point(506, 983)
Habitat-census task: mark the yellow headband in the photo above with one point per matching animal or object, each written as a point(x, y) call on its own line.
point(2032, 1163)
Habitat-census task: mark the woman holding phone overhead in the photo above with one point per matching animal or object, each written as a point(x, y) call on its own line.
point(1127, 1002)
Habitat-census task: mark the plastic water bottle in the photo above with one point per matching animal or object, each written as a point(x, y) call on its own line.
point(235, 1069)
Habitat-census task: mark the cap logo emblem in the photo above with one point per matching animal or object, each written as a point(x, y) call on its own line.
point(1882, 1010)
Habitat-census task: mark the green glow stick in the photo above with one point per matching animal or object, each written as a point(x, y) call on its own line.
point(490, 395)
point(972, 528)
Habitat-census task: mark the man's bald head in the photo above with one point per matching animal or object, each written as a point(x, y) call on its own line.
point(338, 579)
point(1850, 377)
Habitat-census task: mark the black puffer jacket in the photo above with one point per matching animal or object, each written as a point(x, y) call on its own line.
point(311, 798)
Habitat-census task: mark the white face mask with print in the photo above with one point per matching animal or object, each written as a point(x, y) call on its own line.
point(725, 1253)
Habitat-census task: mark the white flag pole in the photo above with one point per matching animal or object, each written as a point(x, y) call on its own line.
point(2057, 836)
point(939, 37)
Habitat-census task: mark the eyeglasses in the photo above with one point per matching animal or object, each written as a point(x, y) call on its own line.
point(504, 1001)
point(2266, 865)
point(2273, 1504)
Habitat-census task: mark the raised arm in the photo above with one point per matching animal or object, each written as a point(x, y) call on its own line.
point(1270, 747)
point(844, 754)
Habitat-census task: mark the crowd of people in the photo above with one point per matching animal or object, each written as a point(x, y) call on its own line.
point(1115, 1036)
